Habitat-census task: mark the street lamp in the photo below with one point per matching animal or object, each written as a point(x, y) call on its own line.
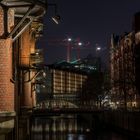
point(56, 17)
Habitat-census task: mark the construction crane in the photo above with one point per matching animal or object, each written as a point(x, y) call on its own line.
point(82, 46)
point(70, 44)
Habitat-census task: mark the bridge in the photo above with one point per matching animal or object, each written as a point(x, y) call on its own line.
point(58, 106)
point(44, 112)
point(57, 103)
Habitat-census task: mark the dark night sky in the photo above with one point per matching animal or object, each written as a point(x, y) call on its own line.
point(90, 20)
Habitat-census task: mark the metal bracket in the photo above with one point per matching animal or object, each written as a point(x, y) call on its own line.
point(6, 34)
point(22, 30)
point(21, 21)
point(28, 71)
point(18, 29)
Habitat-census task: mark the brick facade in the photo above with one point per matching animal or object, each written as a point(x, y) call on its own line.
point(6, 87)
point(27, 47)
point(123, 72)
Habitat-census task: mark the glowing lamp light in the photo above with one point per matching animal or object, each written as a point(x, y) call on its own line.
point(43, 86)
point(80, 44)
point(37, 53)
point(117, 102)
point(69, 39)
point(98, 48)
point(44, 74)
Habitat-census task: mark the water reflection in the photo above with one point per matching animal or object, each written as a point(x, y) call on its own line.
point(76, 137)
point(67, 127)
point(54, 128)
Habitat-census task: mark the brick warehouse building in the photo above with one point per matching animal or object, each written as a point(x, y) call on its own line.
point(125, 67)
point(7, 111)
point(19, 26)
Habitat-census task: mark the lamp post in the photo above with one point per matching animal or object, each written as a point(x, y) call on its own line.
point(55, 17)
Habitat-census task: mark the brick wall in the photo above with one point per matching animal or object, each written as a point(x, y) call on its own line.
point(27, 47)
point(6, 87)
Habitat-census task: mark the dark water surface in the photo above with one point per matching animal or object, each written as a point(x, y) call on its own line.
point(68, 127)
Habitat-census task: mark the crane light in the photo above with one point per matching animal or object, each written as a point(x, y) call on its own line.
point(80, 44)
point(98, 48)
point(69, 39)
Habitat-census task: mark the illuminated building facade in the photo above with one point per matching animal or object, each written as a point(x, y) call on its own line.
point(19, 21)
point(75, 82)
point(124, 68)
point(68, 82)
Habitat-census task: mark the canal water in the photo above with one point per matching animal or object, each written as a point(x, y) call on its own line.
point(70, 127)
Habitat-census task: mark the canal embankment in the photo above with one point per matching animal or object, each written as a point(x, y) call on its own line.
point(126, 122)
